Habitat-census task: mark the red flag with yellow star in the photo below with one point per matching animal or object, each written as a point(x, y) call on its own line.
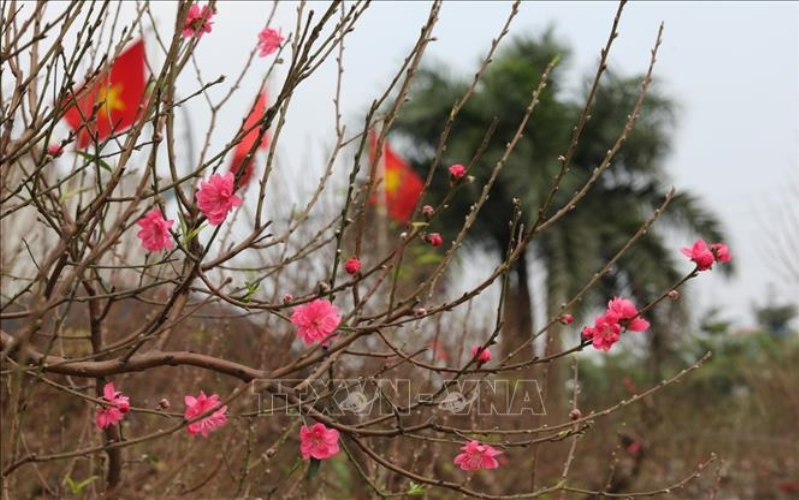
point(246, 144)
point(401, 184)
point(116, 94)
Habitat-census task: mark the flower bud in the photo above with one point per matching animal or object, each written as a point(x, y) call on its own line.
point(434, 239)
point(353, 265)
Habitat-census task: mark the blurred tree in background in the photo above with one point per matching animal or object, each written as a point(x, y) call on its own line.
point(614, 208)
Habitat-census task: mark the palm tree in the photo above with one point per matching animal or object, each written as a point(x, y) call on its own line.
point(575, 248)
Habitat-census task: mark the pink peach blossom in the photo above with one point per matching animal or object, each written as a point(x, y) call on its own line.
point(477, 456)
point(316, 321)
point(605, 332)
point(634, 448)
point(196, 406)
point(721, 252)
point(566, 319)
point(439, 352)
point(353, 265)
point(485, 354)
point(700, 254)
point(626, 312)
point(434, 239)
point(55, 150)
point(112, 413)
point(318, 442)
point(154, 232)
point(269, 40)
point(198, 21)
point(216, 198)
point(457, 171)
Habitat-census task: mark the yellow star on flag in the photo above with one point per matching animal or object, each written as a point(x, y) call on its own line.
point(109, 98)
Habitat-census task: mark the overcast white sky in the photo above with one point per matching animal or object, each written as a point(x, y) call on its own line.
point(732, 66)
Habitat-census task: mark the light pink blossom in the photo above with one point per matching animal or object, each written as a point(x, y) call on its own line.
point(700, 254)
point(269, 40)
point(316, 321)
point(485, 354)
point(154, 232)
point(428, 211)
point(477, 456)
point(318, 442)
point(198, 21)
point(115, 409)
point(216, 198)
point(196, 406)
point(353, 265)
point(457, 171)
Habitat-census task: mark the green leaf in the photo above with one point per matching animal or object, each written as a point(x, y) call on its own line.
point(416, 489)
point(76, 488)
point(251, 289)
point(96, 159)
point(194, 232)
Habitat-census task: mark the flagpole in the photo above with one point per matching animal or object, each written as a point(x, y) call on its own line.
point(381, 194)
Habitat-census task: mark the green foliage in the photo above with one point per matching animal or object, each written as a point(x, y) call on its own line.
point(76, 487)
point(416, 490)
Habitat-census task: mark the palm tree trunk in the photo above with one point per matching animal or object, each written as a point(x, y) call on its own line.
point(554, 373)
point(518, 311)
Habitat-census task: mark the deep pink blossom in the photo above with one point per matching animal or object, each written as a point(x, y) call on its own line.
point(198, 21)
point(626, 312)
point(316, 321)
point(353, 265)
point(318, 442)
point(55, 150)
point(200, 405)
point(485, 354)
point(477, 456)
point(112, 413)
point(700, 254)
point(216, 198)
point(269, 40)
point(605, 332)
point(434, 239)
point(620, 314)
point(721, 252)
point(566, 319)
point(154, 232)
point(457, 171)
